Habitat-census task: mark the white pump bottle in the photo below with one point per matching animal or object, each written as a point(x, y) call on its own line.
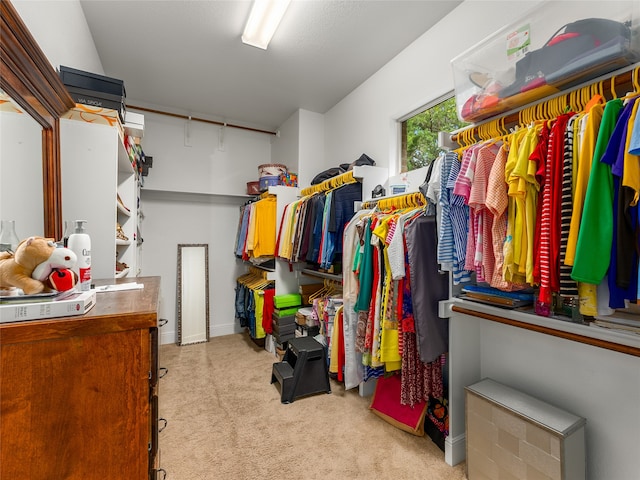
point(80, 244)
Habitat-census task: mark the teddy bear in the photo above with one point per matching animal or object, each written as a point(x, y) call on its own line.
point(33, 262)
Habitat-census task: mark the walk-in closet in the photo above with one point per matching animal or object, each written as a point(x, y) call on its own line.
point(390, 239)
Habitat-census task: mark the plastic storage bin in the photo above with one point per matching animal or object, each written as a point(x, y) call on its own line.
point(554, 47)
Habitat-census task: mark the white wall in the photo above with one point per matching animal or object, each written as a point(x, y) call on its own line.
point(366, 120)
point(214, 177)
point(600, 385)
point(219, 159)
point(300, 145)
point(171, 219)
point(284, 148)
point(311, 154)
point(61, 31)
point(21, 196)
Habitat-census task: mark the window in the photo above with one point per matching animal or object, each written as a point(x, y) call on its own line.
point(420, 132)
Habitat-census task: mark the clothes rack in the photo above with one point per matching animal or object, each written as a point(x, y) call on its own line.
point(258, 272)
point(407, 200)
point(615, 85)
point(254, 297)
point(330, 184)
point(548, 194)
point(198, 119)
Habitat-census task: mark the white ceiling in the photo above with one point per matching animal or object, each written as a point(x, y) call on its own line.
point(187, 57)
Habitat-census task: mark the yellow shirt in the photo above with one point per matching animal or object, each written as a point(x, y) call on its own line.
point(510, 269)
point(258, 297)
point(524, 187)
point(263, 216)
point(587, 148)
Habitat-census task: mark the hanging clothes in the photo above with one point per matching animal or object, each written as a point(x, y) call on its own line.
point(568, 287)
point(256, 233)
point(566, 198)
point(596, 227)
point(353, 368)
point(510, 268)
point(428, 287)
point(623, 267)
point(549, 220)
point(254, 302)
point(312, 227)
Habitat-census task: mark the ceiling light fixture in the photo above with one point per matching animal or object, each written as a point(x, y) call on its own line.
point(263, 21)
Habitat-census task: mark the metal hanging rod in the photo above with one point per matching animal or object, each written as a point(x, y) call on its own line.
point(204, 120)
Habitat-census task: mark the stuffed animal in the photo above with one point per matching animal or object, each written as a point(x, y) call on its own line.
point(32, 263)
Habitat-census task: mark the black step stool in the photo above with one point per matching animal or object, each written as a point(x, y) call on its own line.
point(303, 370)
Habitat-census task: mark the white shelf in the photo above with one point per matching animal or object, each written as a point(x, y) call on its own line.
point(167, 193)
point(124, 161)
point(370, 177)
point(527, 318)
point(123, 210)
point(325, 275)
point(123, 273)
point(95, 165)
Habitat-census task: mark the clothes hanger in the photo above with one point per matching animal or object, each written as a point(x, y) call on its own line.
point(635, 80)
point(612, 86)
point(551, 108)
point(318, 293)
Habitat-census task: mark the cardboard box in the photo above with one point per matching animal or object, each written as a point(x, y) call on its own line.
point(134, 124)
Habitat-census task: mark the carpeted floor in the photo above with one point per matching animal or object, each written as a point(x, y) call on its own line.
point(225, 421)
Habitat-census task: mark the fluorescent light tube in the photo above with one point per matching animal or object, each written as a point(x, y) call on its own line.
point(263, 21)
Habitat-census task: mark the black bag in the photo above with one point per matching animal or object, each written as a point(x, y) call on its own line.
point(577, 39)
point(326, 175)
point(363, 160)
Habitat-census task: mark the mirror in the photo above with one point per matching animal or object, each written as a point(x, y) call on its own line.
point(192, 300)
point(20, 169)
point(29, 79)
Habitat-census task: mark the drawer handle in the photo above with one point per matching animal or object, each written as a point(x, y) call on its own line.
point(162, 371)
point(162, 322)
point(162, 424)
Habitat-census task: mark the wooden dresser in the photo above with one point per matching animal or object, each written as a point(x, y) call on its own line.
point(78, 395)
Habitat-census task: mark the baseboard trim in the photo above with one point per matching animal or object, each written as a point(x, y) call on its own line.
point(217, 331)
point(221, 330)
point(455, 450)
point(167, 337)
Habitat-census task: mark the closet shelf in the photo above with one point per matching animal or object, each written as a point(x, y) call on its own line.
point(123, 210)
point(184, 193)
point(315, 273)
point(267, 266)
point(122, 273)
point(122, 242)
point(602, 337)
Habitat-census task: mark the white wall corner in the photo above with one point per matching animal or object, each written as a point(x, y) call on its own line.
point(455, 450)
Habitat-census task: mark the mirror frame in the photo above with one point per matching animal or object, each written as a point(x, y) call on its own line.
point(28, 77)
point(186, 278)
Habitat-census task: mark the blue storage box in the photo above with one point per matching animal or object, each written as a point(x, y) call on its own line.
point(268, 181)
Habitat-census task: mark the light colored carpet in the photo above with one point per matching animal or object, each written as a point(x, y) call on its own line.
point(226, 421)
